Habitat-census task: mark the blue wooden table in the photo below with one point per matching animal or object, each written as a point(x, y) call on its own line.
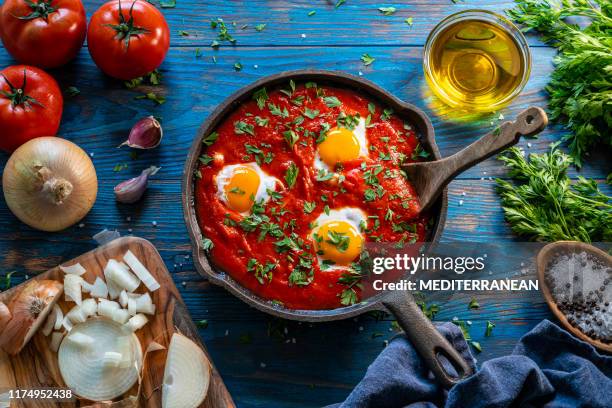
point(267, 362)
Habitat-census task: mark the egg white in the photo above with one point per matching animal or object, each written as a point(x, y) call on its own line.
point(360, 134)
point(351, 215)
point(266, 182)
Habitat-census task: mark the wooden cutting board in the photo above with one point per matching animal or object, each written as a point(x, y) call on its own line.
point(36, 366)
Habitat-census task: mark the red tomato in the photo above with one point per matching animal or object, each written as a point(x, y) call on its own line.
point(45, 33)
point(128, 40)
point(31, 105)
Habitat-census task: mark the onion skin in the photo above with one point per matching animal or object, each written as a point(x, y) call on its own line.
point(29, 309)
point(5, 316)
point(49, 183)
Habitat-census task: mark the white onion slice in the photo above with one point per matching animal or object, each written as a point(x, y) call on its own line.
point(186, 375)
point(86, 287)
point(59, 317)
point(84, 371)
point(141, 271)
point(121, 276)
point(56, 339)
point(137, 322)
point(76, 269)
point(72, 288)
point(99, 289)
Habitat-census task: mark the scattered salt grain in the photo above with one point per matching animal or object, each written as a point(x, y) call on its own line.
point(528, 144)
point(154, 223)
point(463, 193)
point(360, 328)
point(460, 202)
point(262, 365)
point(255, 66)
point(227, 333)
point(81, 225)
point(303, 35)
point(455, 319)
point(360, 73)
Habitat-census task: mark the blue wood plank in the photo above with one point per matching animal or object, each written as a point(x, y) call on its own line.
point(100, 118)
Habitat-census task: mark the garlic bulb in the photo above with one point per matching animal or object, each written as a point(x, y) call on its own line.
point(29, 309)
point(49, 183)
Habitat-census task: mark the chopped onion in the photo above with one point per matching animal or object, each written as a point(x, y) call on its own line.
point(99, 289)
point(76, 315)
point(80, 339)
point(131, 306)
point(120, 315)
point(56, 339)
point(144, 304)
point(72, 288)
point(107, 307)
point(89, 307)
point(50, 322)
point(59, 317)
point(121, 276)
point(141, 271)
point(76, 269)
point(87, 373)
point(137, 322)
point(67, 324)
point(186, 375)
point(123, 298)
point(86, 287)
point(112, 359)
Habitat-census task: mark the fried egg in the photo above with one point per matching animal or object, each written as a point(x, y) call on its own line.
point(338, 237)
point(341, 145)
point(241, 185)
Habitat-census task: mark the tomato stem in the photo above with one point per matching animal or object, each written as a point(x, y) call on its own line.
point(126, 29)
point(41, 9)
point(18, 96)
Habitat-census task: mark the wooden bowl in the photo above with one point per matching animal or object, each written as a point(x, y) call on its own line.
point(545, 255)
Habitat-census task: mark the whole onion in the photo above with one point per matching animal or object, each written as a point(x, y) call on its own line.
point(49, 183)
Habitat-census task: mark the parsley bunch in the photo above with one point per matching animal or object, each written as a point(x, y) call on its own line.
point(581, 85)
point(546, 206)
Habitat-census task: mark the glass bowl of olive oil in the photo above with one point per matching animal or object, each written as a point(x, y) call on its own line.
point(476, 60)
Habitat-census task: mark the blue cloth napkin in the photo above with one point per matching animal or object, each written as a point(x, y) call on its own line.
point(548, 368)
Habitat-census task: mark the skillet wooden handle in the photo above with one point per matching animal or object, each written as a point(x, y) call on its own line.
point(430, 178)
point(426, 339)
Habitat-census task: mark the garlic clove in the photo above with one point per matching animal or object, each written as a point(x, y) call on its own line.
point(147, 133)
point(29, 309)
point(131, 190)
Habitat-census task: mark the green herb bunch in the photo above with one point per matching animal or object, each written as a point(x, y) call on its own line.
point(545, 206)
point(581, 85)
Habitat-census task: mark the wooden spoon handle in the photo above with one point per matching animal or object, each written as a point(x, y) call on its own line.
point(430, 178)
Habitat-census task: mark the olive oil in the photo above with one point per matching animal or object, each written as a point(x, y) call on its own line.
point(476, 64)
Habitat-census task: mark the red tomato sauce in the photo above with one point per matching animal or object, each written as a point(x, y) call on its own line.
point(393, 215)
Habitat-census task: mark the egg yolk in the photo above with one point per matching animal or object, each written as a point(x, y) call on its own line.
point(338, 241)
point(242, 188)
point(340, 145)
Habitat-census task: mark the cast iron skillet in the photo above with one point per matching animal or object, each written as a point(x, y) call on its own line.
point(427, 340)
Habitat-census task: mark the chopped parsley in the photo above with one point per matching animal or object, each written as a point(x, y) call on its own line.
point(207, 244)
point(261, 96)
point(242, 128)
point(367, 59)
point(276, 111)
point(338, 239)
point(260, 27)
point(489, 329)
point(290, 137)
point(332, 101)
point(291, 175)
point(473, 304)
point(210, 139)
point(387, 11)
point(261, 271)
point(309, 206)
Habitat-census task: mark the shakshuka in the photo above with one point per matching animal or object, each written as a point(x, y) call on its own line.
point(293, 183)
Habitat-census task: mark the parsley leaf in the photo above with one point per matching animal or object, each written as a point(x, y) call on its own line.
point(387, 11)
point(367, 59)
point(332, 101)
point(291, 175)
